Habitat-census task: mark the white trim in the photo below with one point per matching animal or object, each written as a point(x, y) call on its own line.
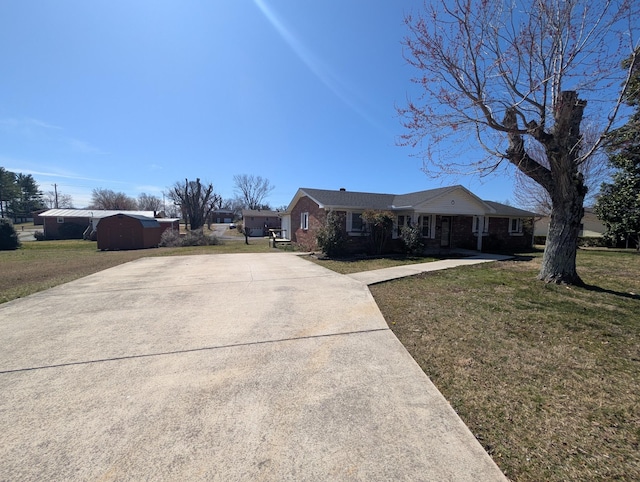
point(432, 221)
point(518, 228)
point(396, 224)
point(350, 229)
point(304, 221)
point(476, 224)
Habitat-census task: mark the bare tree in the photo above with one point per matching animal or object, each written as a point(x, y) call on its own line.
point(508, 74)
point(148, 202)
point(108, 199)
point(595, 170)
point(195, 200)
point(252, 190)
point(64, 201)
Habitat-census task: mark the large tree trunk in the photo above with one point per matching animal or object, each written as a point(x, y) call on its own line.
point(562, 180)
point(559, 260)
point(567, 191)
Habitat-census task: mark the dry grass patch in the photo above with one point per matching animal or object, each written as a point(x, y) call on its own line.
point(545, 376)
point(356, 265)
point(40, 265)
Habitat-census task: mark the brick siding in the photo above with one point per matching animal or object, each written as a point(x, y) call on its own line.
point(306, 238)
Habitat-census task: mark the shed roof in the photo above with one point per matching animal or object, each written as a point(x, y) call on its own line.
point(145, 221)
point(91, 213)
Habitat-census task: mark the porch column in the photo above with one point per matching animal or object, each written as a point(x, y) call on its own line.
point(480, 231)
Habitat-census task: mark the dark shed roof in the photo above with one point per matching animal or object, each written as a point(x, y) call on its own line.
point(145, 221)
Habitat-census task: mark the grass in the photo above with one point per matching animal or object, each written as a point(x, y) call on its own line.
point(40, 265)
point(348, 266)
point(545, 376)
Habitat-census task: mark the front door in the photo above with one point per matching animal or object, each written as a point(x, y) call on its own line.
point(445, 232)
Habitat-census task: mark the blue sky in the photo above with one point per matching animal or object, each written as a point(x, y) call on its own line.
point(134, 96)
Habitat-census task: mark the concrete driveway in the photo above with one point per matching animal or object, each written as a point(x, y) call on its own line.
point(222, 367)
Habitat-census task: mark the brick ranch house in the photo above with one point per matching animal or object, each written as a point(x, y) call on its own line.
point(448, 217)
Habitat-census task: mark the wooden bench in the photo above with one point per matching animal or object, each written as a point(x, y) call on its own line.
point(274, 239)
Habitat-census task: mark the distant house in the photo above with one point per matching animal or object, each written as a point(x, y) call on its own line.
point(37, 220)
point(58, 222)
point(220, 216)
point(169, 223)
point(259, 222)
point(448, 218)
point(590, 225)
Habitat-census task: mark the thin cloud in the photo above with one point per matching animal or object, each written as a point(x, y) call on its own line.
point(149, 189)
point(84, 147)
point(27, 123)
point(340, 89)
point(59, 175)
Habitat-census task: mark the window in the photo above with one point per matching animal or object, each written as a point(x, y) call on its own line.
point(355, 225)
point(356, 222)
point(304, 221)
point(60, 220)
point(515, 225)
point(476, 224)
point(425, 226)
point(401, 223)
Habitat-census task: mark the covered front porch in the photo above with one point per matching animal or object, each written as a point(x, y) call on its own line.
point(444, 231)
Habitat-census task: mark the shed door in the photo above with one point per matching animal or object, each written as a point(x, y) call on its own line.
point(445, 232)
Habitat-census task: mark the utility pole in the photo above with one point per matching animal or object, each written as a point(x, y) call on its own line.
point(55, 190)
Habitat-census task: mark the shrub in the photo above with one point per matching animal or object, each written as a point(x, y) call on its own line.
point(170, 239)
point(198, 238)
point(39, 235)
point(412, 239)
point(380, 225)
point(331, 236)
point(8, 235)
point(594, 242)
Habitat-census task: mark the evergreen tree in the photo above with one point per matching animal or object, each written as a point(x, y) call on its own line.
point(28, 197)
point(618, 206)
point(8, 190)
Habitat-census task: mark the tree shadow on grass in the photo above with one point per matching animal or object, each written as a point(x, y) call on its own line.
point(622, 294)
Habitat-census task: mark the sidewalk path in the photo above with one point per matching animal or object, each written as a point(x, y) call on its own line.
point(236, 367)
point(387, 274)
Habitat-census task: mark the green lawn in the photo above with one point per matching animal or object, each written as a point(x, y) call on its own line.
point(545, 376)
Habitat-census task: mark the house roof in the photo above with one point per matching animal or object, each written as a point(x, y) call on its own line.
point(349, 199)
point(505, 210)
point(343, 199)
point(260, 212)
point(91, 213)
